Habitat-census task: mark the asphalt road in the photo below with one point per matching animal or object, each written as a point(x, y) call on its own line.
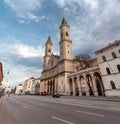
point(47, 110)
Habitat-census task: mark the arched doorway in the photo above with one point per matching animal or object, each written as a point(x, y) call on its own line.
point(83, 85)
point(90, 84)
point(76, 87)
point(99, 84)
point(71, 87)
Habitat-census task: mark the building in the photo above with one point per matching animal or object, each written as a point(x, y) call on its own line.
point(29, 86)
point(76, 76)
point(36, 83)
point(109, 63)
point(19, 89)
point(56, 68)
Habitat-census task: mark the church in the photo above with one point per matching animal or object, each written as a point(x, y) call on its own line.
point(78, 76)
point(66, 75)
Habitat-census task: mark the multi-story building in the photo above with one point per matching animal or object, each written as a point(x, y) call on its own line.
point(96, 77)
point(56, 68)
point(109, 63)
point(36, 86)
point(19, 89)
point(29, 86)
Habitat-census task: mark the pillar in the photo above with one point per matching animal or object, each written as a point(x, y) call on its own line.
point(87, 89)
point(79, 86)
point(73, 84)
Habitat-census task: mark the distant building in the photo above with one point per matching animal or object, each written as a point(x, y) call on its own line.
point(19, 89)
point(29, 86)
point(36, 86)
point(109, 63)
point(7, 90)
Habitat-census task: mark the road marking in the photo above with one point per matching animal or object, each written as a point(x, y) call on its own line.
point(115, 108)
point(83, 112)
point(43, 104)
point(79, 105)
point(26, 107)
point(68, 122)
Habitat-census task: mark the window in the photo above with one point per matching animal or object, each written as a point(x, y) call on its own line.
point(66, 33)
point(49, 50)
point(104, 58)
point(112, 84)
point(119, 51)
point(114, 55)
point(118, 67)
point(108, 70)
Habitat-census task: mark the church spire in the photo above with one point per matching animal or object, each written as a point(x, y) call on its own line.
point(64, 23)
point(49, 40)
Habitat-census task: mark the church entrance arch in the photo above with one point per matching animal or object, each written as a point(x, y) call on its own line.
point(99, 84)
point(90, 84)
point(76, 87)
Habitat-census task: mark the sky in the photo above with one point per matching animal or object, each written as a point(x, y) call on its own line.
point(26, 24)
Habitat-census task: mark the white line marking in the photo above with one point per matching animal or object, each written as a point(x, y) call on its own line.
point(79, 105)
point(26, 107)
point(83, 112)
point(43, 104)
point(62, 120)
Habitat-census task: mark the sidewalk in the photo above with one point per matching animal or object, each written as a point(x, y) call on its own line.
point(112, 99)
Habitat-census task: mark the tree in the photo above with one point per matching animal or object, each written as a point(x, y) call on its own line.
point(84, 60)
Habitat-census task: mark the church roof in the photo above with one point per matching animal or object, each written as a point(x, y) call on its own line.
point(49, 40)
point(64, 23)
point(110, 45)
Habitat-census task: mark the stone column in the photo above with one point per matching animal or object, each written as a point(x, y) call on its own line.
point(79, 85)
point(87, 89)
point(94, 85)
point(73, 83)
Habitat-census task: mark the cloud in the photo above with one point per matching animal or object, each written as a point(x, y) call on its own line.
point(26, 9)
point(93, 23)
point(26, 51)
point(22, 60)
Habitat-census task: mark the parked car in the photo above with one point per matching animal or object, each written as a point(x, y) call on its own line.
point(44, 93)
point(56, 95)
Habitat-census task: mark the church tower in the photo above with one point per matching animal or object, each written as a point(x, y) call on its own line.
point(48, 52)
point(65, 41)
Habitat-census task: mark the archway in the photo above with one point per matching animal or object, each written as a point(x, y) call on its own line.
point(83, 85)
point(99, 84)
point(76, 87)
point(90, 84)
point(71, 87)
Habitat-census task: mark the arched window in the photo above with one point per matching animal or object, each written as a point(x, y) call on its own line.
point(118, 67)
point(49, 50)
point(108, 70)
point(112, 84)
point(114, 55)
point(119, 51)
point(66, 33)
point(104, 58)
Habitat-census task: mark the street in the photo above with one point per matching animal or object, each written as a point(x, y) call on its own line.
point(27, 109)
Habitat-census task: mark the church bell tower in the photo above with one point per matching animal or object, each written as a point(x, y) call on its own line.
point(48, 51)
point(65, 41)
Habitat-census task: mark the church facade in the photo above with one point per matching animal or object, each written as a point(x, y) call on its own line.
point(66, 75)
